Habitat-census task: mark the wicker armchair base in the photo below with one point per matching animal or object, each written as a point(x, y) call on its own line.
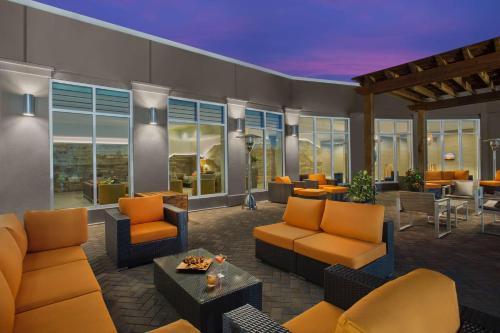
point(276, 256)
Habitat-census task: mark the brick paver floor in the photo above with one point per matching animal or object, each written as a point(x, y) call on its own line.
point(471, 259)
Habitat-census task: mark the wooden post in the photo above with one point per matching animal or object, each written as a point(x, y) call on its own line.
point(422, 142)
point(369, 132)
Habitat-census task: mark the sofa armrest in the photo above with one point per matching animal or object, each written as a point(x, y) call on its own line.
point(179, 218)
point(299, 183)
point(388, 236)
point(345, 286)
point(247, 319)
point(54, 229)
point(311, 183)
point(117, 234)
point(472, 320)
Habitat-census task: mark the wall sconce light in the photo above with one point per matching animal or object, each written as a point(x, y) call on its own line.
point(28, 105)
point(294, 130)
point(240, 125)
point(153, 116)
point(449, 157)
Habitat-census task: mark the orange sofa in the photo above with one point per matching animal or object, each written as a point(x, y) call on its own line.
point(444, 178)
point(491, 185)
point(315, 234)
point(46, 282)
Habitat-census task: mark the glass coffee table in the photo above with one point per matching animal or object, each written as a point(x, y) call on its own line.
point(455, 205)
point(204, 307)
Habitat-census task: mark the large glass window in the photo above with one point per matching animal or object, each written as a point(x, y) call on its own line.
point(90, 145)
point(324, 147)
point(197, 147)
point(393, 148)
point(453, 144)
point(267, 155)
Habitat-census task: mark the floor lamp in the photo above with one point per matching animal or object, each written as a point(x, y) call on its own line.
point(249, 202)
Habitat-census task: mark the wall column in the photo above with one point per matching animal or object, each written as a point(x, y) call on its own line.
point(369, 132)
point(421, 142)
point(292, 144)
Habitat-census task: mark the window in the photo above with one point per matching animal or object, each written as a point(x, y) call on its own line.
point(267, 155)
point(393, 148)
point(90, 145)
point(197, 147)
point(453, 145)
point(324, 147)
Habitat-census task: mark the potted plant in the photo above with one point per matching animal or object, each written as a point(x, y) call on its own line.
point(362, 189)
point(413, 181)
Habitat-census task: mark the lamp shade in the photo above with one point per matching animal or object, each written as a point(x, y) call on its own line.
point(28, 105)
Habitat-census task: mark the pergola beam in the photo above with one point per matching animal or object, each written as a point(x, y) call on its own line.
point(482, 75)
point(458, 101)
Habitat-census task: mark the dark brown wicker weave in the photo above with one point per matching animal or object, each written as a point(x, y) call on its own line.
point(125, 254)
point(279, 192)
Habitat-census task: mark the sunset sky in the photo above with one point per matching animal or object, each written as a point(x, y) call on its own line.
point(326, 39)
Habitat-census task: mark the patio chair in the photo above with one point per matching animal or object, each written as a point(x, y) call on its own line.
point(422, 202)
point(282, 188)
point(465, 190)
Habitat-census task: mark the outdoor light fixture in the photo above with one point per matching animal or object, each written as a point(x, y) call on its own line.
point(449, 157)
point(239, 125)
point(153, 116)
point(249, 202)
point(293, 130)
point(28, 105)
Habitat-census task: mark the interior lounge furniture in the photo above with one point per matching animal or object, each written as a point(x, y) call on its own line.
point(106, 193)
point(283, 187)
point(144, 228)
point(46, 282)
point(426, 203)
point(207, 185)
point(490, 186)
point(446, 177)
point(358, 302)
point(315, 234)
point(176, 185)
point(465, 190)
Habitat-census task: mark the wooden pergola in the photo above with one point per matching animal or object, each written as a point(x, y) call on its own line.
point(463, 76)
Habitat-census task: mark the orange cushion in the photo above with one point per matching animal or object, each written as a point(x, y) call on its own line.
point(142, 210)
point(331, 249)
point(354, 220)
point(304, 213)
point(295, 190)
point(11, 261)
point(433, 175)
point(53, 229)
point(16, 228)
point(280, 234)
point(461, 175)
point(55, 284)
point(319, 177)
point(448, 175)
point(86, 313)
point(335, 189)
point(321, 318)
point(151, 231)
point(44, 259)
point(179, 326)
point(442, 182)
point(310, 192)
point(283, 180)
point(420, 301)
point(497, 175)
point(7, 306)
point(492, 183)
point(429, 185)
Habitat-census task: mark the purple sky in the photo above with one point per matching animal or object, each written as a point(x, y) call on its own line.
point(329, 39)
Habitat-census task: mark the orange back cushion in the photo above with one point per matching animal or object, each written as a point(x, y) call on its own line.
point(304, 213)
point(16, 229)
point(11, 261)
point(142, 210)
point(319, 177)
point(7, 307)
point(354, 220)
point(433, 175)
point(497, 175)
point(283, 180)
point(448, 175)
point(461, 174)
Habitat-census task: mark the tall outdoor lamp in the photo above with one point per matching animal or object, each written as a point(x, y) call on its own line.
point(495, 145)
point(249, 202)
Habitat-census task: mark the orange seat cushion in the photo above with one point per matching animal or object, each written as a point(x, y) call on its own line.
point(331, 249)
point(16, 228)
point(497, 175)
point(336, 189)
point(461, 175)
point(179, 326)
point(151, 231)
point(55, 284)
point(7, 306)
point(429, 185)
point(11, 261)
point(319, 177)
point(354, 220)
point(420, 301)
point(142, 210)
point(433, 175)
point(448, 175)
point(321, 318)
point(281, 234)
point(304, 213)
point(53, 229)
point(492, 183)
point(44, 259)
point(310, 192)
point(86, 313)
point(283, 180)
point(442, 182)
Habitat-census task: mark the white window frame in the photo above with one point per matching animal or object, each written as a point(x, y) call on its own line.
point(332, 133)
point(198, 122)
point(264, 143)
point(94, 115)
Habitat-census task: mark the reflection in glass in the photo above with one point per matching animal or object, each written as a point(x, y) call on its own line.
point(182, 157)
point(469, 153)
point(72, 160)
point(404, 146)
point(257, 157)
point(306, 158)
point(434, 152)
point(451, 151)
point(324, 154)
point(340, 157)
point(212, 160)
point(274, 154)
point(386, 155)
